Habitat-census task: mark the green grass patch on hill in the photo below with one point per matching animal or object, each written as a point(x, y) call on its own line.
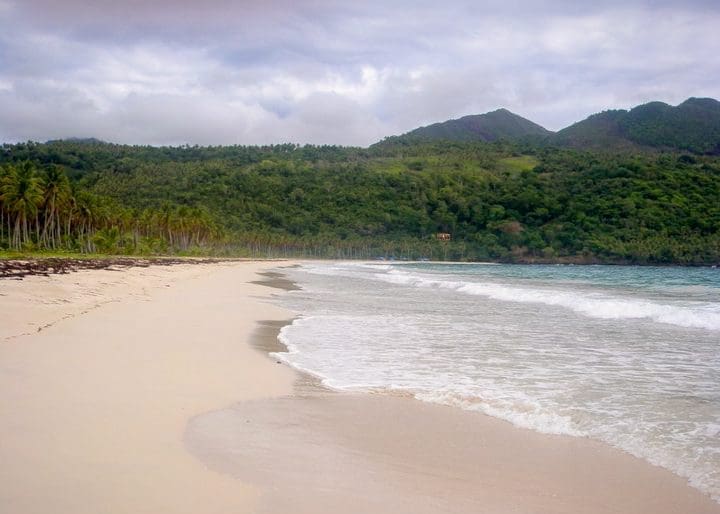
point(518, 163)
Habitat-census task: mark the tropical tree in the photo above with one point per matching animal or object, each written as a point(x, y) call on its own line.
point(56, 197)
point(22, 194)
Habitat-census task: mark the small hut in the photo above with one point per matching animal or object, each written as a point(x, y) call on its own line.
point(443, 236)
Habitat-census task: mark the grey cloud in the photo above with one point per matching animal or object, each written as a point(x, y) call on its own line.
point(222, 71)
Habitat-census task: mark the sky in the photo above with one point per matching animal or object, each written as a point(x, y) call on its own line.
point(172, 72)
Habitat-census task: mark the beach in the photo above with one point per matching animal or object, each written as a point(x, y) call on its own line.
point(150, 390)
point(94, 405)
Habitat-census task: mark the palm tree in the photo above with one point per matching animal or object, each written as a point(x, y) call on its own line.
point(3, 173)
point(86, 217)
point(21, 192)
point(57, 193)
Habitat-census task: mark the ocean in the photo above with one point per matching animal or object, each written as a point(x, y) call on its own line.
point(622, 354)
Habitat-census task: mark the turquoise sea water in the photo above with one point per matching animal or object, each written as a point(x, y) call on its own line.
point(626, 355)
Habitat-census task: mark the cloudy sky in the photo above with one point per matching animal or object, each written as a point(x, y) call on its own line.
point(222, 71)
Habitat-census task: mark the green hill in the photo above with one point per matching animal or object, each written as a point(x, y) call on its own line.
point(503, 187)
point(504, 201)
point(599, 131)
point(692, 126)
point(492, 126)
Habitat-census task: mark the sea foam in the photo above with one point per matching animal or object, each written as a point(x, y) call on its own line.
point(697, 314)
point(549, 350)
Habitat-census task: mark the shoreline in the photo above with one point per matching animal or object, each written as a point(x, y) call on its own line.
point(619, 475)
point(20, 267)
point(99, 409)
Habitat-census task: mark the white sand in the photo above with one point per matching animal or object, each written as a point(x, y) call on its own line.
point(94, 406)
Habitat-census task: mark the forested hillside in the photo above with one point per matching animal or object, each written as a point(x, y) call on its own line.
point(498, 201)
point(488, 127)
point(693, 126)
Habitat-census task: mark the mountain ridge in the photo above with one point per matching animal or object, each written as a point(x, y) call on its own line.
point(691, 126)
point(490, 126)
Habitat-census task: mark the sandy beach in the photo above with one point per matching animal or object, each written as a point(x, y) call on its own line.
point(94, 405)
point(149, 390)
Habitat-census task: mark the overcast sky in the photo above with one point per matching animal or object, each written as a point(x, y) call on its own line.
point(222, 72)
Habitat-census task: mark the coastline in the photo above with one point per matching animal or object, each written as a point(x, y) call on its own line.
point(107, 379)
point(440, 467)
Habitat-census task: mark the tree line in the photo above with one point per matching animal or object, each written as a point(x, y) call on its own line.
point(512, 202)
point(41, 209)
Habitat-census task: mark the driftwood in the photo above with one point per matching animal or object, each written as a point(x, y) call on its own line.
point(17, 268)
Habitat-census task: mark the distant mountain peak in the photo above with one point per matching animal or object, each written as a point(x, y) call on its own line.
point(490, 126)
point(84, 140)
point(693, 126)
point(701, 102)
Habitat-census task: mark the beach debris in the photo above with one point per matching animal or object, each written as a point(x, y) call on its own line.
point(19, 268)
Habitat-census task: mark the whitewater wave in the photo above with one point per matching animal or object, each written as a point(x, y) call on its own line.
point(592, 304)
point(349, 353)
point(414, 329)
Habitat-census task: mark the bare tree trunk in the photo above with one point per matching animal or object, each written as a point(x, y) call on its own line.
point(18, 232)
point(58, 228)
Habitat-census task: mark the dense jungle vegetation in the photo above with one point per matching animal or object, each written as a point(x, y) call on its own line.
point(498, 201)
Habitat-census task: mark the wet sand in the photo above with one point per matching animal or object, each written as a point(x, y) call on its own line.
point(377, 454)
point(150, 390)
point(320, 451)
